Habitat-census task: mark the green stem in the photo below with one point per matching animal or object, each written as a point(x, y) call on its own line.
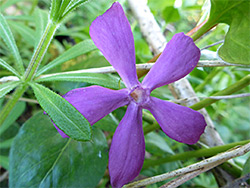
point(208, 78)
point(40, 51)
point(207, 152)
point(32, 68)
point(12, 102)
point(229, 90)
point(205, 28)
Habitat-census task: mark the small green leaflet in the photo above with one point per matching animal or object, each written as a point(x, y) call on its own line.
point(63, 114)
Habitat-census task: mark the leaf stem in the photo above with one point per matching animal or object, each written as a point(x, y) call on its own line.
point(40, 51)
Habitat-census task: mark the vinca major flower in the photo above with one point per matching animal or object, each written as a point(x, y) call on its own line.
point(112, 34)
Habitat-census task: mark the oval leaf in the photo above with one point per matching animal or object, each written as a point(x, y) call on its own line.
point(48, 160)
point(63, 114)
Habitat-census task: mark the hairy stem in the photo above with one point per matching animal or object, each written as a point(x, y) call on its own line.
point(40, 51)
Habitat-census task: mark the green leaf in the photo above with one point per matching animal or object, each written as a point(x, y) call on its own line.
point(236, 14)
point(73, 5)
point(9, 68)
point(7, 87)
point(63, 114)
point(8, 38)
point(27, 33)
point(156, 144)
point(48, 160)
point(41, 20)
point(170, 14)
point(77, 50)
point(4, 162)
point(236, 48)
point(106, 80)
point(14, 114)
point(6, 143)
point(246, 167)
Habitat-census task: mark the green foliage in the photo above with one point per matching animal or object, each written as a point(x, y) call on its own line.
point(106, 80)
point(236, 14)
point(171, 14)
point(8, 67)
point(7, 87)
point(48, 160)
point(63, 114)
point(61, 8)
point(77, 50)
point(6, 35)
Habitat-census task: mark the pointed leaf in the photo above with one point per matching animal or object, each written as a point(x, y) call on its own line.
point(48, 160)
point(9, 68)
point(8, 38)
point(41, 20)
point(77, 50)
point(7, 87)
point(27, 33)
point(106, 80)
point(63, 114)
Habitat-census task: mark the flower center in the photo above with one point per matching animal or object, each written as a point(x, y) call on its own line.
point(139, 95)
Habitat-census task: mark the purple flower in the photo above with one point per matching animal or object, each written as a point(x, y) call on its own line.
point(112, 34)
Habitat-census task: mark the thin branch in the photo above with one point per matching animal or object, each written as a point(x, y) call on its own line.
point(23, 99)
point(110, 69)
point(214, 44)
point(4, 176)
point(184, 100)
point(201, 166)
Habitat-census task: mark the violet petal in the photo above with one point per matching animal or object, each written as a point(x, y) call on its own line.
point(178, 59)
point(95, 102)
point(127, 149)
point(112, 34)
point(178, 122)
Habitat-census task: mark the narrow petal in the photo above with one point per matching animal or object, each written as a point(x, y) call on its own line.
point(95, 102)
point(178, 59)
point(112, 34)
point(178, 122)
point(127, 149)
